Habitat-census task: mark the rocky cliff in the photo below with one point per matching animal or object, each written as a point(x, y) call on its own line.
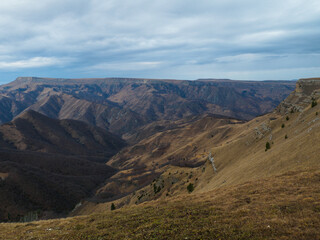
point(123, 105)
point(307, 90)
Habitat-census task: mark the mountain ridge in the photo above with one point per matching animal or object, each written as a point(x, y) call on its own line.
point(32, 129)
point(123, 105)
point(48, 165)
point(205, 176)
point(239, 150)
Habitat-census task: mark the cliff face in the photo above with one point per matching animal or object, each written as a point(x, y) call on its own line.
point(306, 91)
point(123, 105)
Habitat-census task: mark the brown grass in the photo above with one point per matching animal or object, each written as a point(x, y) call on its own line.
point(282, 207)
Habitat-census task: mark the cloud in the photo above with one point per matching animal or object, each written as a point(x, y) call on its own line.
point(125, 66)
point(161, 39)
point(35, 62)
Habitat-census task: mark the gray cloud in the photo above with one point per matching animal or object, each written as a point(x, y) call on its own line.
point(161, 39)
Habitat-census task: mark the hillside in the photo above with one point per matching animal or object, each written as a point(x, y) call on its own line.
point(238, 148)
point(33, 131)
point(123, 105)
point(265, 186)
point(47, 166)
point(141, 163)
point(281, 207)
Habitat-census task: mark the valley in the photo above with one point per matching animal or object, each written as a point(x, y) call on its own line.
point(98, 143)
point(238, 148)
point(159, 120)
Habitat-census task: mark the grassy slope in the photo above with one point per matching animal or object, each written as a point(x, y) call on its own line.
point(238, 149)
point(244, 157)
point(183, 145)
point(282, 207)
point(255, 194)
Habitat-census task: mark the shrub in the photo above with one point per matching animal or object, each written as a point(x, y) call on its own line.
point(287, 118)
point(190, 187)
point(267, 146)
point(156, 189)
point(282, 126)
point(286, 136)
point(113, 207)
point(314, 103)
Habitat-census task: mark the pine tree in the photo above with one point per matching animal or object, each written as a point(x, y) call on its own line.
point(113, 207)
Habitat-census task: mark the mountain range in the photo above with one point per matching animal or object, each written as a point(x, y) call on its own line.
point(123, 105)
point(211, 158)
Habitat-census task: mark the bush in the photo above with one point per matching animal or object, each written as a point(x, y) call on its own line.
point(156, 189)
point(287, 118)
point(314, 103)
point(267, 146)
point(113, 207)
point(190, 187)
point(282, 126)
point(286, 136)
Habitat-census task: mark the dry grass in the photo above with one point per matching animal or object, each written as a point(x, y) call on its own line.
point(243, 157)
point(238, 149)
point(282, 207)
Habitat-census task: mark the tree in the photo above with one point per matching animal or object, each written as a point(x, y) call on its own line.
point(113, 207)
point(190, 187)
point(267, 146)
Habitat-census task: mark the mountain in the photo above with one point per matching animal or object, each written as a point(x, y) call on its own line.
point(177, 144)
point(33, 131)
point(123, 105)
point(202, 177)
point(176, 156)
point(258, 190)
point(47, 166)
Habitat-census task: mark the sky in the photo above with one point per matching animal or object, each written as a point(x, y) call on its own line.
point(173, 39)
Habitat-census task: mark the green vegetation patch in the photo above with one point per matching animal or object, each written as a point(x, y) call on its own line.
point(190, 187)
point(268, 146)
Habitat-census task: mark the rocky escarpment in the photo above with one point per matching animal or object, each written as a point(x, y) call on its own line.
point(307, 91)
point(123, 105)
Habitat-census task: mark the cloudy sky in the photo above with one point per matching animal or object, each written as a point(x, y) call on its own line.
point(179, 39)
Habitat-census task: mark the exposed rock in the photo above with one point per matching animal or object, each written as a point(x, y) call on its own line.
point(123, 105)
point(306, 91)
point(262, 130)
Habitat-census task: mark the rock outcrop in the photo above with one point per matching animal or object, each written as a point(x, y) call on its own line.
point(306, 91)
